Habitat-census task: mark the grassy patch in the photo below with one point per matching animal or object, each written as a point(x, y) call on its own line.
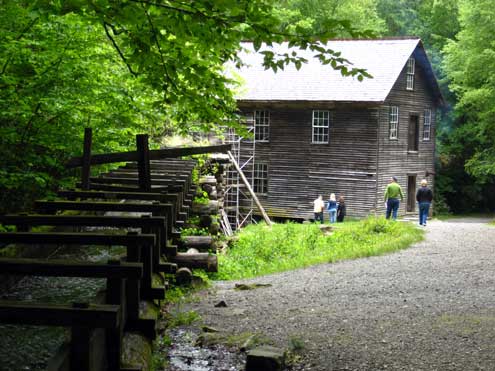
point(183, 319)
point(261, 250)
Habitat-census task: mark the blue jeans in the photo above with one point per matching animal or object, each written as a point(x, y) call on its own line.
point(319, 217)
point(332, 215)
point(392, 208)
point(424, 209)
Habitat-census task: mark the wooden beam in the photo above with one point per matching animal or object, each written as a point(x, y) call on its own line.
point(67, 268)
point(156, 154)
point(106, 179)
point(250, 190)
point(150, 196)
point(83, 220)
point(41, 314)
point(123, 188)
point(77, 238)
point(196, 260)
point(100, 206)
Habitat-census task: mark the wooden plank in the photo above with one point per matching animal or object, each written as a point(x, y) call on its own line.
point(150, 196)
point(41, 314)
point(77, 238)
point(86, 158)
point(100, 206)
point(157, 208)
point(122, 188)
point(84, 220)
point(180, 171)
point(105, 179)
point(131, 175)
point(68, 268)
point(108, 158)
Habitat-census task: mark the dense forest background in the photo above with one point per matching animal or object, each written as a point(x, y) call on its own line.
point(140, 66)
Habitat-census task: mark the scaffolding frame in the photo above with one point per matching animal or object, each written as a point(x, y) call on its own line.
point(238, 203)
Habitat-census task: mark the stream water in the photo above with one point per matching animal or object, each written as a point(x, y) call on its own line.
point(186, 355)
point(29, 347)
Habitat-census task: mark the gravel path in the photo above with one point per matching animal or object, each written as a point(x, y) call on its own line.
point(430, 307)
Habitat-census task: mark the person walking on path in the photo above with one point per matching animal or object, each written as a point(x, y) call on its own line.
point(392, 194)
point(341, 210)
point(319, 205)
point(332, 208)
point(424, 196)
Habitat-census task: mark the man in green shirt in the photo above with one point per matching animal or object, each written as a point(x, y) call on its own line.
point(391, 197)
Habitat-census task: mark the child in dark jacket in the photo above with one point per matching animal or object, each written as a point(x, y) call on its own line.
point(341, 210)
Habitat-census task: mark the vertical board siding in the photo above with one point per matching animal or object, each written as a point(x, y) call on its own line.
point(359, 159)
point(300, 170)
point(393, 156)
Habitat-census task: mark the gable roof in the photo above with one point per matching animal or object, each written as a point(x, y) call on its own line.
point(384, 59)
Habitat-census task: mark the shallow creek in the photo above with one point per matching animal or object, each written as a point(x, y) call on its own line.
point(30, 347)
point(185, 355)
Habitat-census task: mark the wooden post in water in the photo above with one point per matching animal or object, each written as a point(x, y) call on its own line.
point(86, 158)
point(144, 171)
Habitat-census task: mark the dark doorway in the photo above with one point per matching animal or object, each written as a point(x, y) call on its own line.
point(411, 193)
point(413, 133)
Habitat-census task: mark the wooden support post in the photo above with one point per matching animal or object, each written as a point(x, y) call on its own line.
point(86, 158)
point(251, 192)
point(155, 258)
point(144, 170)
point(115, 294)
point(80, 349)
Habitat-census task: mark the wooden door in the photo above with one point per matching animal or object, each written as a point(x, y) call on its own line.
point(413, 133)
point(411, 193)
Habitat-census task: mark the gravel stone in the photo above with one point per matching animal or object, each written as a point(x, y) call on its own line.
point(429, 307)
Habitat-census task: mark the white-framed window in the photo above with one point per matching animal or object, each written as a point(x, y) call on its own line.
point(262, 126)
point(427, 125)
point(410, 74)
point(321, 127)
point(260, 178)
point(393, 130)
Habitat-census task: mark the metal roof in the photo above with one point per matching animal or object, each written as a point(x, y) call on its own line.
point(384, 59)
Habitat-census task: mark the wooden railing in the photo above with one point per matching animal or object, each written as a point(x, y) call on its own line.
point(162, 191)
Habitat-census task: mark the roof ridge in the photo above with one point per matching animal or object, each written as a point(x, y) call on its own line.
point(378, 38)
point(383, 38)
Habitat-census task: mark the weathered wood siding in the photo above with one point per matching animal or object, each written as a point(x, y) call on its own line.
point(299, 170)
point(394, 159)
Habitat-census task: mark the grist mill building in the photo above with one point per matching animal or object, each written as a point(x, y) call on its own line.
point(317, 132)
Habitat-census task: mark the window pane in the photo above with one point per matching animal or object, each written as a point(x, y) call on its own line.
point(427, 125)
point(320, 125)
point(410, 74)
point(260, 181)
point(393, 122)
point(262, 125)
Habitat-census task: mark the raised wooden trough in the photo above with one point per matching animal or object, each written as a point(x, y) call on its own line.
point(157, 192)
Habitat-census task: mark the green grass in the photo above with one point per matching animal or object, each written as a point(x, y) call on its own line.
point(262, 250)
